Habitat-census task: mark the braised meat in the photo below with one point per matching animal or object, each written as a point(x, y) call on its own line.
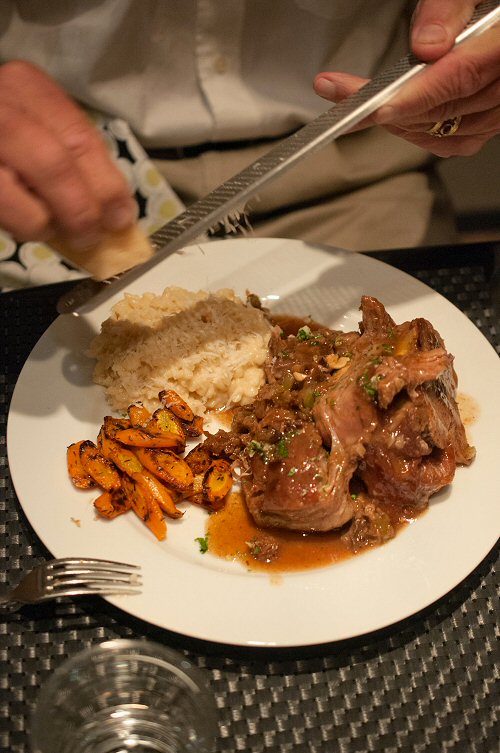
point(353, 430)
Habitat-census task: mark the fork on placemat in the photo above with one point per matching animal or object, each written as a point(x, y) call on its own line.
point(72, 576)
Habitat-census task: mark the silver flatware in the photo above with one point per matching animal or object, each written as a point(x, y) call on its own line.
point(233, 195)
point(72, 576)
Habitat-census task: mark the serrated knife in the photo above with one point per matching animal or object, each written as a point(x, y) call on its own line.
point(234, 194)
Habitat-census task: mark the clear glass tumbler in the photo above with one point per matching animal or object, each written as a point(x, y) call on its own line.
point(125, 695)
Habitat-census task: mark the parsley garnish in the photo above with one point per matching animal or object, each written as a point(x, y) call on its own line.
point(368, 386)
point(203, 543)
point(304, 333)
point(282, 448)
point(256, 448)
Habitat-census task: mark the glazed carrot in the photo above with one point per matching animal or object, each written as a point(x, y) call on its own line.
point(79, 476)
point(127, 461)
point(199, 459)
point(136, 497)
point(138, 415)
point(217, 483)
point(174, 402)
point(106, 445)
point(167, 466)
point(155, 520)
point(193, 428)
point(112, 425)
point(155, 490)
point(146, 507)
point(163, 421)
point(142, 438)
point(100, 468)
point(195, 493)
point(111, 504)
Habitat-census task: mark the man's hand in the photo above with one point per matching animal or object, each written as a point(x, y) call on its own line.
point(464, 81)
point(56, 177)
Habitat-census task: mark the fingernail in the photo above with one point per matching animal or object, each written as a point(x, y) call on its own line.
point(430, 34)
point(120, 215)
point(325, 88)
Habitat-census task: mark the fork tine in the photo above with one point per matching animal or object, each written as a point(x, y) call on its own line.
point(104, 580)
point(97, 564)
point(113, 590)
point(73, 576)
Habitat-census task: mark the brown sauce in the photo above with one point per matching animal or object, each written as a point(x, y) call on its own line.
point(468, 409)
point(232, 535)
point(291, 324)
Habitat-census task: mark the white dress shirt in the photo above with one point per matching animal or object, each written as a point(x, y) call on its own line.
point(185, 72)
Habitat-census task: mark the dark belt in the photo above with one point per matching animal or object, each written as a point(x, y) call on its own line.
point(188, 152)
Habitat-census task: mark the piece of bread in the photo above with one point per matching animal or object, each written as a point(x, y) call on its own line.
point(116, 253)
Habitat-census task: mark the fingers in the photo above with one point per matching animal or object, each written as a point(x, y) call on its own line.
point(436, 24)
point(54, 110)
point(337, 86)
point(453, 146)
point(465, 81)
point(54, 164)
point(462, 74)
point(46, 172)
point(21, 213)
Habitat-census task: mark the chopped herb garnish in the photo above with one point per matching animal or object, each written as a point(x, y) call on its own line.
point(203, 543)
point(292, 471)
point(282, 448)
point(256, 448)
point(254, 546)
point(368, 386)
point(304, 333)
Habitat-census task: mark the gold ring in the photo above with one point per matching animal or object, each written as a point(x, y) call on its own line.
point(445, 128)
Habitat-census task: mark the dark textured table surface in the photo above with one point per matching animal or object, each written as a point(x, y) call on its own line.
point(427, 684)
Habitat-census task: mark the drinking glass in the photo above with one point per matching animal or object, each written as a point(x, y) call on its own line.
point(125, 695)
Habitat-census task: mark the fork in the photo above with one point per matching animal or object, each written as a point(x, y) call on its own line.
point(71, 576)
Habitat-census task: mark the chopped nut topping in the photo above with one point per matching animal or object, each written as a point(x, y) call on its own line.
point(336, 362)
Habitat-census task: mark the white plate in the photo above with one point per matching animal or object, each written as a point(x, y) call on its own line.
point(199, 595)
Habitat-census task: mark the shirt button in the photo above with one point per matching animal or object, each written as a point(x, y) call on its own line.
point(220, 64)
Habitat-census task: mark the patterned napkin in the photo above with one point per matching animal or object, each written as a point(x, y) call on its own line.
point(34, 263)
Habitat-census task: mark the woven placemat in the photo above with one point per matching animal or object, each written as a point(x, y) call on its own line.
point(428, 684)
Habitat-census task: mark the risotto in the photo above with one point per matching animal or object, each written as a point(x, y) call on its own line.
point(209, 347)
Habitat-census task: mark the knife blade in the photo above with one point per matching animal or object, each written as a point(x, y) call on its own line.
point(234, 194)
